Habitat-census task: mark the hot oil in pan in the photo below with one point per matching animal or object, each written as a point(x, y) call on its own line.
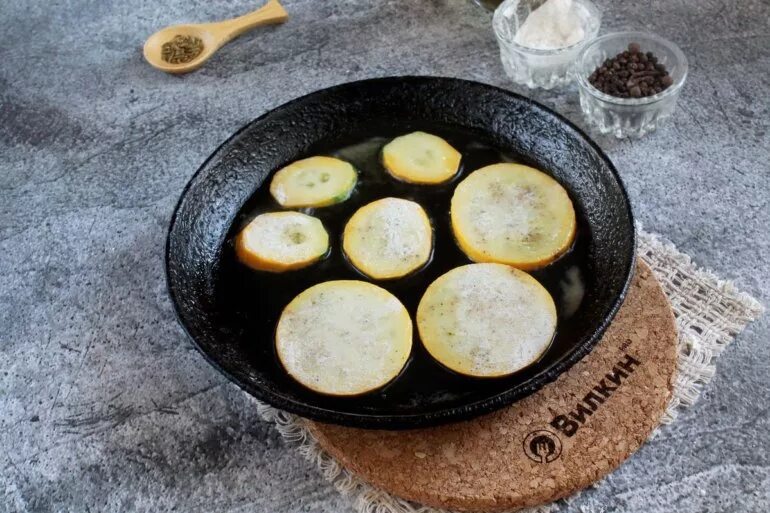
point(256, 299)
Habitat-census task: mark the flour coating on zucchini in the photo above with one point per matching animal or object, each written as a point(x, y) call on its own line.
point(282, 241)
point(388, 238)
point(512, 214)
point(344, 337)
point(313, 182)
point(486, 320)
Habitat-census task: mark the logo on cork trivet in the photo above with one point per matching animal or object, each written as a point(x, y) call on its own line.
point(542, 446)
point(570, 423)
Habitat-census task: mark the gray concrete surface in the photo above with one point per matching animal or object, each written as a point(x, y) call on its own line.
point(104, 406)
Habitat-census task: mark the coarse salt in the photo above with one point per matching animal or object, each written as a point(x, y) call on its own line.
point(555, 24)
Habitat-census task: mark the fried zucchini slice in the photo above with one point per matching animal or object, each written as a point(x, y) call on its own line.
point(421, 158)
point(313, 182)
point(388, 238)
point(512, 214)
point(344, 337)
point(486, 320)
point(282, 241)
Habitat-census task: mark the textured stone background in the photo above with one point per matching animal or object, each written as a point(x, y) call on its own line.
point(104, 406)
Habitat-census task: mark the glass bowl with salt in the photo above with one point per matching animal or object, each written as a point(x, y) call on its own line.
point(540, 40)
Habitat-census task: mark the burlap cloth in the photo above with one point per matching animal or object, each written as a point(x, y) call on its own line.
point(709, 314)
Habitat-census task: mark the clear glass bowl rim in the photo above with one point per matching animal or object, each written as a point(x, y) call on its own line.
point(640, 37)
point(497, 25)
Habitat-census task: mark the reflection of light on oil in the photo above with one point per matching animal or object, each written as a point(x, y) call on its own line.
point(362, 151)
point(573, 291)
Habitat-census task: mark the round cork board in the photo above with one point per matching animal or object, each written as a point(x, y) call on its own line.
point(549, 445)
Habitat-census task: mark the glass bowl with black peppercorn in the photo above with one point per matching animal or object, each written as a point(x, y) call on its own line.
point(629, 82)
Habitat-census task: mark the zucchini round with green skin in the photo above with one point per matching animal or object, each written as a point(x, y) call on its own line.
point(344, 337)
point(313, 182)
point(512, 214)
point(282, 241)
point(388, 238)
point(421, 158)
point(486, 320)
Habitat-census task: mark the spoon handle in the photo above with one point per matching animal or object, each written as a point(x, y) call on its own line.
point(272, 12)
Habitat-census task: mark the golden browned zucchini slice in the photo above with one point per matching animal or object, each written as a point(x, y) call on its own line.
point(388, 238)
point(313, 182)
point(512, 214)
point(344, 337)
point(486, 320)
point(421, 158)
point(282, 241)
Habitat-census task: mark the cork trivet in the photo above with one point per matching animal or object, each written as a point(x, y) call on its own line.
point(562, 439)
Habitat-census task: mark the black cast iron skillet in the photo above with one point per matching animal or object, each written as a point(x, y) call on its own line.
point(230, 311)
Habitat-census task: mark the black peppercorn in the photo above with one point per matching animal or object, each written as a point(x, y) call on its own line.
point(631, 73)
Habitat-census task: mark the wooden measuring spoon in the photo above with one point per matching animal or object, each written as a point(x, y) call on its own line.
point(213, 35)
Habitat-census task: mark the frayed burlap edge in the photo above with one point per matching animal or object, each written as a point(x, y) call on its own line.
point(709, 313)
